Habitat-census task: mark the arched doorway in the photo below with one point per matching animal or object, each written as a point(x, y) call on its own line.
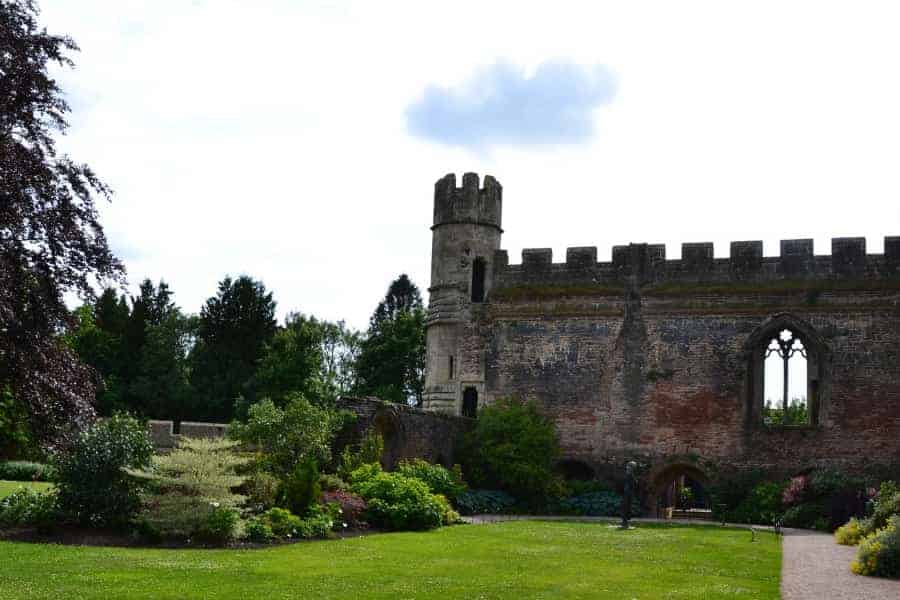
point(470, 403)
point(679, 490)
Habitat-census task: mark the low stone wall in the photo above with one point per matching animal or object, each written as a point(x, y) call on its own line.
point(408, 432)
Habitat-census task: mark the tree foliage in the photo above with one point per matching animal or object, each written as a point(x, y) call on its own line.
point(299, 432)
point(51, 240)
point(391, 363)
point(234, 328)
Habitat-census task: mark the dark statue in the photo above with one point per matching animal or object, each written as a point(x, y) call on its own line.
point(628, 495)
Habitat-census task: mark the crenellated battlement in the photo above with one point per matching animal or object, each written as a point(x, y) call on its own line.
point(472, 203)
point(647, 264)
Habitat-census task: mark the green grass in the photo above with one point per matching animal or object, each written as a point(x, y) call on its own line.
point(8, 487)
point(507, 560)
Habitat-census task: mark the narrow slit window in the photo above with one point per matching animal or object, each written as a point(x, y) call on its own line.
point(450, 367)
point(478, 271)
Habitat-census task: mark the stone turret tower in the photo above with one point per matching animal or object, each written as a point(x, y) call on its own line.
point(465, 235)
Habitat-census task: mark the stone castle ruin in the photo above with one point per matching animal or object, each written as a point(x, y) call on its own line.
point(670, 362)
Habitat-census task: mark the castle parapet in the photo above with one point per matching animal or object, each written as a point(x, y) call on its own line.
point(647, 264)
point(470, 203)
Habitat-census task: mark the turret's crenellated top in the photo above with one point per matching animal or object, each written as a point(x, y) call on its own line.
point(469, 203)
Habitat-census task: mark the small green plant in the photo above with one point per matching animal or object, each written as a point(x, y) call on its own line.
point(261, 489)
point(300, 490)
point(278, 523)
point(220, 526)
point(439, 479)
point(371, 447)
point(332, 483)
point(94, 488)
point(257, 530)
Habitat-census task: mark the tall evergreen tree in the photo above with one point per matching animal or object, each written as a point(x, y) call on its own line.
point(234, 327)
point(391, 363)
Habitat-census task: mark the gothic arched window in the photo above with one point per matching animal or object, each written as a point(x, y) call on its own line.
point(785, 380)
point(788, 373)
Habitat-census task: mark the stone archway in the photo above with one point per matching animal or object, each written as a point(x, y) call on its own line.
point(664, 482)
point(389, 425)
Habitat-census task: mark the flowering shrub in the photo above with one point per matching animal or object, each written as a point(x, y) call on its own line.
point(93, 486)
point(849, 534)
point(352, 507)
point(796, 490)
point(879, 553)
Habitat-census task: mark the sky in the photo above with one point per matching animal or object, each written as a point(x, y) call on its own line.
point(299, 142)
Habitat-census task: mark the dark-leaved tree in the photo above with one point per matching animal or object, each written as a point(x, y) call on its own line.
point(51, 240)
point(234, 328)
point(391, 363)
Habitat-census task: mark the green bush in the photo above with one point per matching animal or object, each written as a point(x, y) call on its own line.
point(278, 523)
point(220, 526)
point(849, 534)
point(399, 502)
point(371, 447)
point(191, 487)
point(727, 493)
point(257, 530)
point(364, 473)
point(27, 508)
point(578, 487)
point(439, 479)
point(512, 447)
point(300, 431)
point(332, 483)
point(300, 490)
point(879, 553)
point(594, 504)
point(93, 487)
point(807, 515)
point(484, 502)
point(261, 489)
point(22, 470)
point(761, 506)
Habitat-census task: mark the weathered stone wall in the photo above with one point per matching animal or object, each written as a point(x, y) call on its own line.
point(408, 432)
point(649, 358)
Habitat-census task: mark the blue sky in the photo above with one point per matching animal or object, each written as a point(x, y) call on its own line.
point(299, 142)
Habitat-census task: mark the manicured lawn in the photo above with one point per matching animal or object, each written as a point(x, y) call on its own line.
point(8, 487)
point(507, 560)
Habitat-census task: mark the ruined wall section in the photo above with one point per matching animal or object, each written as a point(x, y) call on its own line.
point(647, 357)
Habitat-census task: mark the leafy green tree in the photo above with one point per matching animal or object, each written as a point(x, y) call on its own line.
point(51, 239)
point(234, 328)
point(293, 361)
point(512, 447)
point(391, 363)
point(340, 352)
point(287, 436)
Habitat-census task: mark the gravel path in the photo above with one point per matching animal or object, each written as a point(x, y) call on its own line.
point(814, 567)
